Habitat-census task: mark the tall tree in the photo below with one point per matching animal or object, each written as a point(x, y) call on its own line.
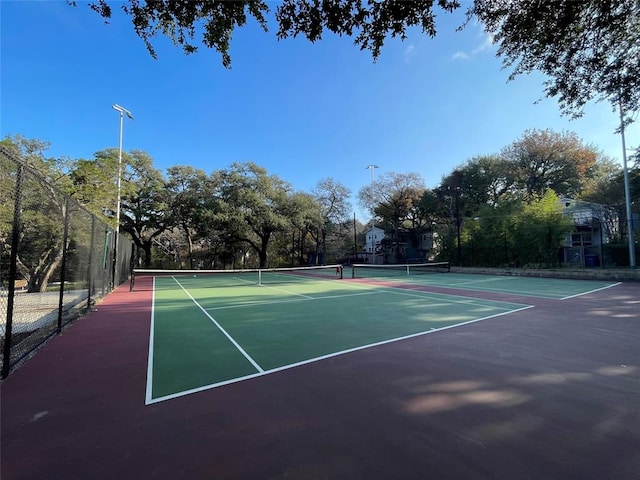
point(302, 211)
point(394, 196)
point(333, 210)
point(543, 160)
point(371, 22)
point(95, 183)
point(487, 179)
point(186, 186)
point(252, 206)
point(425, 212)
point(540, 231)
point(588, 49)
point(604, 182)
point(146, 211)
point(451, 199)
point(45, 207)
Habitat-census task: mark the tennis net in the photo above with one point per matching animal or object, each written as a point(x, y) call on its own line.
point(365, 270)
point(145, 279)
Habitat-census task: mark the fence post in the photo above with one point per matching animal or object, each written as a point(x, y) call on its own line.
point(15, 239)
point(63, 267)
point(105, 259)
point(91, 260)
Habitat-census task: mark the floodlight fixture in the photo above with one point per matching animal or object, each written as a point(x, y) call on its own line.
point(122, 110)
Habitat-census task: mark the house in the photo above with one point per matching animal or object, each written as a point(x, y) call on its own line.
point(372, 248)
point(595, 225)
point(409, 246)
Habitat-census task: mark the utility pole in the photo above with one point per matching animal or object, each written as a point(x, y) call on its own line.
point(627, 196)
point(373, 206)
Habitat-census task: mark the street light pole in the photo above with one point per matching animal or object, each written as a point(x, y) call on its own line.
point(632, 249)
point(122, 111)
point(373, 205)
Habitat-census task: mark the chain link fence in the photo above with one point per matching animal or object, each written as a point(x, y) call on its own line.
point(56, 260)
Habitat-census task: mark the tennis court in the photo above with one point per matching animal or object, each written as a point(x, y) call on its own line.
point(543, 392)
point(436, 274)
point(214, 328)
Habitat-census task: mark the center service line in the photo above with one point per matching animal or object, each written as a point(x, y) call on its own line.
point(231, 339)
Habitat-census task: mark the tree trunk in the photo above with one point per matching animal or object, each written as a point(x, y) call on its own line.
point(146, 246)
point(262, 253)
point(48, 271)
point(190, 247)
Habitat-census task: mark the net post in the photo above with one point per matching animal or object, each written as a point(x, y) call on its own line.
point(407, 269)
point(259, 277)
point(132, 281)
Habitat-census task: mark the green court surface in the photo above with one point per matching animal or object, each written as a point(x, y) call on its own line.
point(208, 332)
point(555, 288)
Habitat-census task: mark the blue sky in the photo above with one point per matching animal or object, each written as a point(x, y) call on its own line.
point(303, 111)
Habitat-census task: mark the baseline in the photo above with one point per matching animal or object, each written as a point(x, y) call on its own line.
point(331, 355)
point(481, 286)
point(591, 291)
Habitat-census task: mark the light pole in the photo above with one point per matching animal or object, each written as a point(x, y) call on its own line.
point(632, 249)
point(373, 205)
point(122, 111)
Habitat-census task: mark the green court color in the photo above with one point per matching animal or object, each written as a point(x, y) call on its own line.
point(206, 336)
point(188, 351)
point(554, 288)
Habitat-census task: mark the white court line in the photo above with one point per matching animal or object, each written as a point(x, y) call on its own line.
point(519, 292)
point(257, 303)
point(324, 357)
point(287, 291)
point(465, 302)
point(276, 302)
point(372, 289)
point(506, 291)
point(226, 334)
point(416, 281)
point(486, 280)
point(274, 288)
point(433, 295)
point(591, 291)
point(243, 280)
point(373, 292)
point(149, 391)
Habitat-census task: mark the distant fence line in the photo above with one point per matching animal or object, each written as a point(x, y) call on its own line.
point(56, 260)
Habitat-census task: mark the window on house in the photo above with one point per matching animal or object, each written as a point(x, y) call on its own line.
point(581, 240)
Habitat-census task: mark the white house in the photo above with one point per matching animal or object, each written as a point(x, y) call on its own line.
point(372, 249)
